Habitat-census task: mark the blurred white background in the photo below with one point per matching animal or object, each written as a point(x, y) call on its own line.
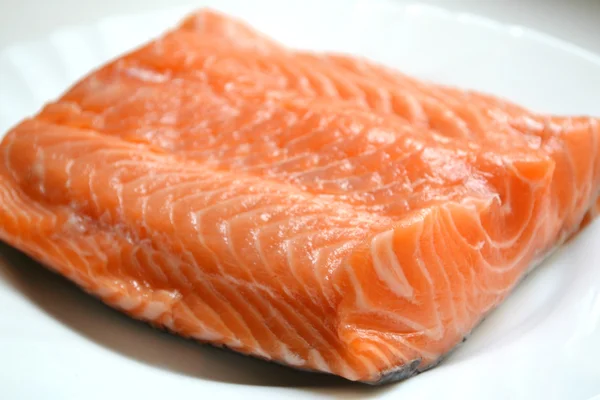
point(577, 21)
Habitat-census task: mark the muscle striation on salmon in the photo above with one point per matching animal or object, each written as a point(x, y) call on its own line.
point(317, 210)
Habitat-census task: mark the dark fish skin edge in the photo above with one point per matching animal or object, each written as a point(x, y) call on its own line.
point(411, 369)
point(398, 374)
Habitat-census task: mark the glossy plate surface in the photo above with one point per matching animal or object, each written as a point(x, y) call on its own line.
point(543, 342)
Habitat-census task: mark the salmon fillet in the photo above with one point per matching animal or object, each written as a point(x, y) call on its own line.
point(316, 210)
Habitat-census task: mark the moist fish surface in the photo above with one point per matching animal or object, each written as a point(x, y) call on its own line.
point(314, 209)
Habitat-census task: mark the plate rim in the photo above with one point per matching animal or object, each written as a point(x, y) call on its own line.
point(463, 17)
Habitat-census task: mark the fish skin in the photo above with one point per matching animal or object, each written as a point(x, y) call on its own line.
point(292, 206)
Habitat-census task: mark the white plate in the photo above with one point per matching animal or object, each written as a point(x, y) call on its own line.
point(544, 342)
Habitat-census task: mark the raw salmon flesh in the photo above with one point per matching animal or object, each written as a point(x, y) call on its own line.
point(316, 210)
